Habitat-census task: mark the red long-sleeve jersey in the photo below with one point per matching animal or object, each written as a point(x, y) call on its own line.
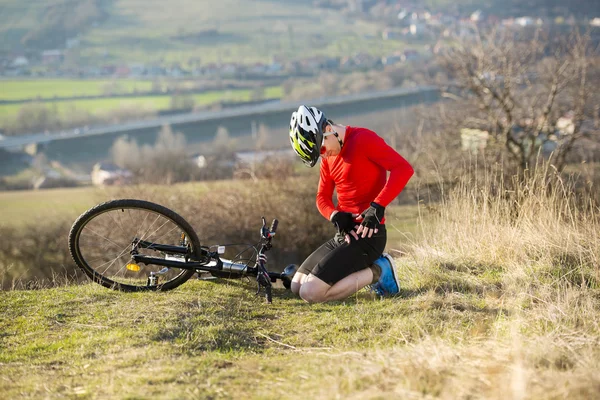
point(359, 173)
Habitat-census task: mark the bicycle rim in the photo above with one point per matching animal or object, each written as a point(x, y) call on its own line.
point(101, 241)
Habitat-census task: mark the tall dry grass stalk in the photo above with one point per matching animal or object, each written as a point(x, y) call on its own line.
point(529, 250)
point(538, 222)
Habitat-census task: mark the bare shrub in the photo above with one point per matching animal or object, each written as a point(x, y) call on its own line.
point(330, 83)
point(275, 168)
point(112, 88)
point(537, 231)
point(165, 162)
point(34, 117)
point(395, 74)
point(35, 252)
point(522, 87)
point(125, 113)
point(232, 213)
point(258, 93)
point(182, 102)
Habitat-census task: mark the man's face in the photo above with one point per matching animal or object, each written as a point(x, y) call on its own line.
point(331, 146)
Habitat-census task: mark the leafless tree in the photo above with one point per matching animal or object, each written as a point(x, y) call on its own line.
point(533, 93)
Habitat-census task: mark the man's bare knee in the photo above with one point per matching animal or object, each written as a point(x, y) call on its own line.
point(312, 294)
point(295, 288)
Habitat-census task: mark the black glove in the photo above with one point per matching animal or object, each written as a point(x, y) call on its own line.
point(343, 221)
point(372, 216)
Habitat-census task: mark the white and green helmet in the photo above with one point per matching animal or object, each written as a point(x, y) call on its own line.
point(306, 133)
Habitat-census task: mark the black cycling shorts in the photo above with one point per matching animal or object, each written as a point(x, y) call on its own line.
point(336, 259)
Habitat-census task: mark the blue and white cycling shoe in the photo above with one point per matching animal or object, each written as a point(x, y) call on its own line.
point(388, 284)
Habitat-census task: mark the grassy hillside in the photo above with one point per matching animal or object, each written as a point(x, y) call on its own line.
point(230, 31)
point(225, 30)
point(500, 299)
point(209, 30)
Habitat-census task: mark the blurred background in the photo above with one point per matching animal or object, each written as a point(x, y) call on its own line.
point(102, 98)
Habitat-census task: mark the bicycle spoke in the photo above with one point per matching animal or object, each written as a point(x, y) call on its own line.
point(115, 221)
point(106, 238)
point(103, 237)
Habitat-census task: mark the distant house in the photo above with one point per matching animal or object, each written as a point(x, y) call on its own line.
point(331, 63)
point(565, 124)
point(199, 160)
point(417, 29)
point(477, 16)
point(122, 71)
point(391, 60)
point(19, 62)
point(229, 69)
point(410, 55)
point(365, 60)
point(52, 56)
point(274, 68)
point(524, 21)
point(104, 173)
point(257, 68)
point(108, 69)
point(389, 34)
point(473, 140)
point(71, 43)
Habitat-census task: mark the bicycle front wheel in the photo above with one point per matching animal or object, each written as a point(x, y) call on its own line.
point(102, 239)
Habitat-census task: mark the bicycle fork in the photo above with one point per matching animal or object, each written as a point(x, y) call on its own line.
point(263, 278)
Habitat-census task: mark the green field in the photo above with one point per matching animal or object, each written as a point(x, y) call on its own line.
point(33, 89)
point(22, 207)
point(148, 103)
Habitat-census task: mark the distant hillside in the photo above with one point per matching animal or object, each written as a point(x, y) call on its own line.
point(62, 20)
point(48, 24)
point(508, 8)
point(109, 31)
point(132, 30)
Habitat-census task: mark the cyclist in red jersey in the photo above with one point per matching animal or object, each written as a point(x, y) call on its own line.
point(355, 162)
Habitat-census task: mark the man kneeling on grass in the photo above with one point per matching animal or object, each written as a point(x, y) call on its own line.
point(354, 161)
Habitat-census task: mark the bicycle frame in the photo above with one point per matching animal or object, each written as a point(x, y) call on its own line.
point(212, 262)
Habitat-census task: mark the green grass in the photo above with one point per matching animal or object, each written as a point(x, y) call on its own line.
point(49, 88)
point(26, 206)
point(149, 103)
point(217, 340)
point(41, 89)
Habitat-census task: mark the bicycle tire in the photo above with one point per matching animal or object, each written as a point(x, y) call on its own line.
point(97, 212)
